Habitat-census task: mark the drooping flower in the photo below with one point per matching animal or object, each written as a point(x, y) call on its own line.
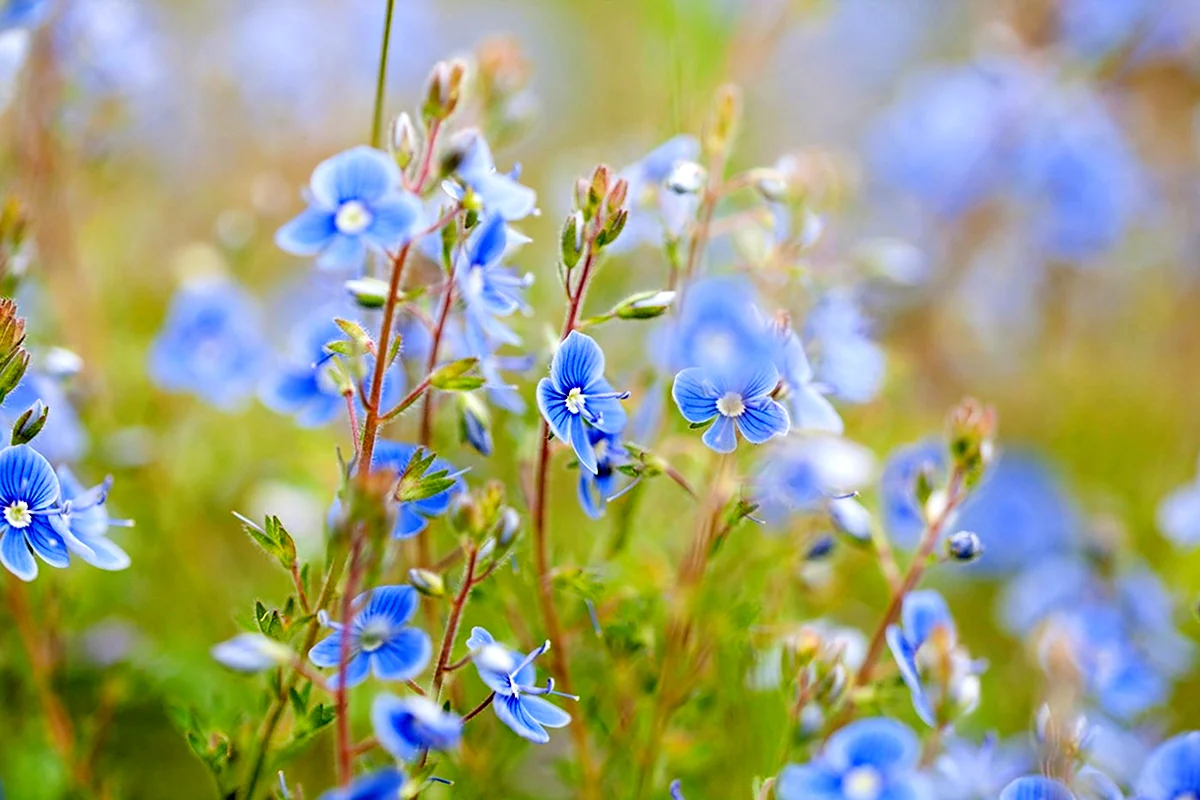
point(489, 289)
point(1173, 771)
point(412, 517)
point(872, 758)
point(355, 203)
point(576, 395)
point(85, 512)
point(407, 726)
point(380, 640)
point(595, 488)
point(809, 408)
point(942, 678)
point(654, 210)
point(738, 399)
point(519, 702)
point(383, 784)
point(499, 193)
point(211, 344)
point(31, 516)
point(1036, 787)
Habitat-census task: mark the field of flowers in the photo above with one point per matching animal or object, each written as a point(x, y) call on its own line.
point(766, 399)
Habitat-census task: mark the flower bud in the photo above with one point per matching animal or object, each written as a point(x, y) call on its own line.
point(617, 195)
point(443, 90)
point(30, 423)
point(851, 518)
point(368, 292)
point(819, 548)
point(964, 546)
point(252, 652)
point(644, 305)
point(771, 184)
point(972, 439)
point(572, 239)
point(686, 177)
point(612, 227)
point(464, 513)
point(13, 357)
point(473, 424)
point(403, 140)
point(426, 582)
point(722, 125)
point(507, 527)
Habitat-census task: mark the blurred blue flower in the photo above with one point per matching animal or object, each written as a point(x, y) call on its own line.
point(1173, 771)
point(739, 400)
point(518, 703)
point(849, 363)
point(380, 640)
point(356, 203)
point(63, 437)
point(1149, 29)
point(966, 771)
point(595, 488)
point(85, 512)
point(413, 517)
point(489, 289)
point(24, 13)
point(383, 784)
point(251, 652)
point(655, 211)
point(502, 195)
point(1179, 514)
point(810, 410)
point(1036, 787)
point(31, 518)
point(942, 678)
point(405, 727)
point(902, 515)
point(211, 344)
point(805, 474)
point(719, 326)
point(869, 758)
point(577, 395)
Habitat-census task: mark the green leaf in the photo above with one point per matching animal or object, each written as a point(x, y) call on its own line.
point(356, 332)
point(453, 377)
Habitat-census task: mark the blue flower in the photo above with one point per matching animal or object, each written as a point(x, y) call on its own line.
point(871, 759)
point(380, 641)
point(251, 652)
point(1173, 771)
point(1035, 787)
point(32, 520)
point(806, 474)
point(849, 363)
point(1098, 29)
point(384, 784)
point(942, 678)
point(656, 212)
point(63, 437)
point(500, 194)
point(211, 344)
point(809, 408)
point(737, 399)
point(1179, 515)
point(966, 771)
point(413, 517)
point(488, 288)
point(85, 512)
point(518, 702)
point(27, 14)
point(595, 488)
point(577, 395)
point(407, 726)
point(719, 326)
point(355, 203)
point(902, 515)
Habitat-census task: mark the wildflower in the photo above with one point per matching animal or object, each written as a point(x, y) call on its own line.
point(1173, 771)
point(488, 288)
point(211, 344)
point(62, 438)
point(85, 513)
point(576, 395)
point(384, 784)
point(869, 759)
point(966, 771)
point(738, 399)
point(355, 204)
point(810, 410)
point(518, 702)
point(849, 363)
point(380, 641)
point(944, 681)
point(656, 212)
point(851, 518)
point(31, 517)
point(808, 474)
point(500, 194)
point(1036, 787)
point(413, 516)
point(902, 514)
point(251, 652)
point(407, 726)
point(719, 326)
point(596, 488)
point(26, 14)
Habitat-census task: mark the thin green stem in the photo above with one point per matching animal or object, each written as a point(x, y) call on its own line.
point(381, 77)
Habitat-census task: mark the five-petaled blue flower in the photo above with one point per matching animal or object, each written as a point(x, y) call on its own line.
point(499, 193)
point(211, 344)
point(927, 642)
point(489, 289)
point(86, 515)
point(518, 702)
point(355, 202)
point(577, 395)
point(595, 488)
point(32, 518)
point(871, 759)
point(380, 641)
point(412, 517)
point(736, 398)
point(1036, 787)
point(1173, 770)
point(406, 726)
point(384, 784)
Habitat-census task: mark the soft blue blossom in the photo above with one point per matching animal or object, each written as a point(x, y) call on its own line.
point(85, 512)
point(719, 326)
point(384, 784)
point(211, 344)
point(1036, 787)
point(595, 488)
point(577, 395)
point(1173, 770)
point(251, 652)
point(489, 290)
point(849, 362)
point(24, 13)
point(355, 204)
point(518, 702)
point(740, 400)
point(872, 758)
point(380, 639)
point(809, 408)
point(966, 771)
point(63, 437)
point(500, 194)
point(32, 520)
point(1179, 514)
point(1148, 29)
point(902, 514)
point(805, 474)
point(413, 517)
point(656, 212)
point(407, 726)
point(942, 678)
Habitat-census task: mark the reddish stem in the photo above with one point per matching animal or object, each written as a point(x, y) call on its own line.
point(439, 328)
point(452, 623)
point(345, 754)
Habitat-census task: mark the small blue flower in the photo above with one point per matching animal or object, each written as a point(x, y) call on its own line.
point(32, 520)
point(355, 203)
point(871, 759)
point(966, 771)
point(1036, 787)
point(1173, 771)
point(738, 399)
point(413, 517)
point(902, 515)
point(810, 410)
point(943, 680)
point(380, 641)
point(595, 488)
point(518, 703)
point(500, 194)
point(577, 395)
point(251, 652)
point(63, 437)
point(407, 726)
point(655, 211)
point(849, 363)
point(211, 344)
point(1179, 515)
point(384, 784)
point(810, 473)
point(719, 327)
point(85, 512)
point(489, 289)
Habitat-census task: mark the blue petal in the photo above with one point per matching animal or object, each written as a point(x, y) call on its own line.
point(397, 604)
point(762, 420)
point(394, 221)
point(1093, 784)
point(487, 245)
point(480, 637)
point(811, 410)
point(26, 475)
point(104, 554)
point(503, 196)
point(553, 405)
point(578, 363)
point(361, 173)
point(545, 713)
point(906, 660)
point(876, 742)
point(48, 543)
point(310, 232)
point(695, 395)
point(582, 443)
point(357, 669)
point(808, 783)
point(591, 498)
point(15, 555)
point(1172, 769)
point(759, 380)
point(327, 652)
point(408, 522)
point(343, 253)
point(921, 613)
point(608, 413)
point(389, 715)
point(1035, 787)
point(722, 435)
point(511, 711)
point(403, 656)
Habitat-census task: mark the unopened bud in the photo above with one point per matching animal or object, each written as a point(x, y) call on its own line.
point(964, 546)
point(464, 513)
point(403, 140)
point(368, 292)
point(617, 195)
point(30, 423)
point(821, 547)
point(474, 425)
point(572, 239)
point(686, 177)
point(722, 125)
point(426, 582)
point(771, 184)
point(612, 227)
point(972, 439)
point(507, 527)
point(644, 305)
point(443, 90)
point(597, 190)
point(59, 362)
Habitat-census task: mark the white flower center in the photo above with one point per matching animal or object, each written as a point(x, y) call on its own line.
point(374, 635)
point(474, 287)
point(731, 405)
point(17, 514)
point(575, 400)
point(352, 217)
point(862, 783)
